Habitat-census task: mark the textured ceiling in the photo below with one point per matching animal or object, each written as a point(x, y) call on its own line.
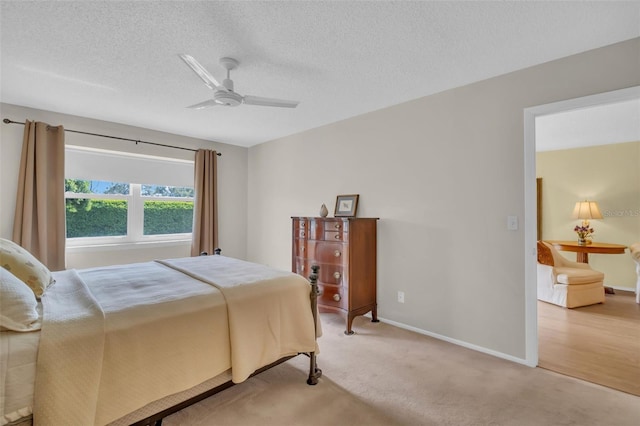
point(118, 61)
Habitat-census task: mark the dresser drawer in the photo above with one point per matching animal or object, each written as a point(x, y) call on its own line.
point(301, 233)
point(336, 225)
point(332, 253)
point(300, 223)
point(308, 229)
point(307, 248)
point(331, 295)
point(333, 274)
point(336, 236)
point(302, 266)
point(302, 249)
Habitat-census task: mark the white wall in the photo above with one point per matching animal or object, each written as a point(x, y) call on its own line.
point(232, 178)
point(443, 173)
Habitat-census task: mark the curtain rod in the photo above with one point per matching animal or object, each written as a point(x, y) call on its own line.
point(137, 141)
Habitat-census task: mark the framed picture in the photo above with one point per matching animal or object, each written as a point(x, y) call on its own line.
point(346, 205)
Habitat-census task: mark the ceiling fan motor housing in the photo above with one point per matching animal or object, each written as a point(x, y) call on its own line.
point(227, 98)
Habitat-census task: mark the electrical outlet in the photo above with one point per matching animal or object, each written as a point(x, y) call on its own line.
point(401, 297)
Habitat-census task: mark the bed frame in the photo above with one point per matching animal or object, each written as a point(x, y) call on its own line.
point(314, 372)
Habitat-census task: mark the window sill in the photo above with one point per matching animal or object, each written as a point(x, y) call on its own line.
point(126, 246)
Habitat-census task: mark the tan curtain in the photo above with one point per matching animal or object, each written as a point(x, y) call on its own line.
point(39, 222)
point(205, 206)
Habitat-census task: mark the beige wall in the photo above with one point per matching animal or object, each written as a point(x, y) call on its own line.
point(232, 175)
point(608, 174)
point(443, 173)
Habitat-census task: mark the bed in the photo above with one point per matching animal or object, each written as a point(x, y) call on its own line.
point(130, 344)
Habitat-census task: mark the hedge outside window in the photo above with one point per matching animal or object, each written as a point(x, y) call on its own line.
point(116, 197)
point(126, 211)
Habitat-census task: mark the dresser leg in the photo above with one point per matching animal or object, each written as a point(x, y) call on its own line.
point(374, 314)
point(349, 331)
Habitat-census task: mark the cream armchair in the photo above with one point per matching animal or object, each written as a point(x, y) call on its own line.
point(566, 283)
point(635, 253)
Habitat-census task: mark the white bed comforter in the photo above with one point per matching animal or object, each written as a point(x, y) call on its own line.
point(269, 310)
point(116, 338)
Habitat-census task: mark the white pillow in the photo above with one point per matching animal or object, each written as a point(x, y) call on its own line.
point(18, 304)
point(25, 266)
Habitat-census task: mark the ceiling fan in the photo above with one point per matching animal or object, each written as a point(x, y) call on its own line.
point(224, 94)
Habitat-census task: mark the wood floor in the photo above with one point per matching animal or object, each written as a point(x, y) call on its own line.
point(599, 343)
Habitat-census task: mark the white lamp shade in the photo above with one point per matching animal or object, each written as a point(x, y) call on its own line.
point(586, 210)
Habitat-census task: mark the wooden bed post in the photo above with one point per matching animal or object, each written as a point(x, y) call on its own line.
point(314, 372)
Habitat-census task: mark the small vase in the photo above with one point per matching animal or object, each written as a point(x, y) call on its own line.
point(323, 211)
point(582, 241)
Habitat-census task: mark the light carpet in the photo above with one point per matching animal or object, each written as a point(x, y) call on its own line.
point(384, 375)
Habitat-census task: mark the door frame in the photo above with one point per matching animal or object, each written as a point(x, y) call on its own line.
point(530, 201)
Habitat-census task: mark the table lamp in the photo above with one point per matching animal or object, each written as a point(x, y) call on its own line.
point(586, 210)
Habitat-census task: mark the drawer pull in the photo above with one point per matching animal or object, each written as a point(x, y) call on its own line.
point(337, 253)
point(320, 292)
point(337, 236)
point(302, 248)
point(336, 297)
point(337, 226)
point(337, 275)
point(302, 268)
point(302, 233)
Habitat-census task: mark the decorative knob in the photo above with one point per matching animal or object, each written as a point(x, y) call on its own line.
point(337, 253)
point(302, 234)
point(336, 297)
point(337, 225)
point(337, 236)
point(337, 275)
point(302, 248)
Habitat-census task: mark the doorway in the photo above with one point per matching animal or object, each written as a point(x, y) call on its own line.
point(531, 201)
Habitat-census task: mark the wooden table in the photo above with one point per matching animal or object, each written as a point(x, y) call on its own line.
point(582, 252)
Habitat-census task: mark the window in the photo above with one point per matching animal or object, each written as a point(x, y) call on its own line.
point(96, 208)
point(167, 209)
point(120, 209)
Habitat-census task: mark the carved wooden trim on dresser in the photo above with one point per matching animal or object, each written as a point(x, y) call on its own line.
point(345, 250)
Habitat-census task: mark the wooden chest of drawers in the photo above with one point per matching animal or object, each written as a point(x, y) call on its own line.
point(345, 251)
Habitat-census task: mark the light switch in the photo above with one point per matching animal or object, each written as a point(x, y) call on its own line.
point(512, 223)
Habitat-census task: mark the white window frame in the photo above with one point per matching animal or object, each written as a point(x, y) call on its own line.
point(135, 219)
point(135, 200)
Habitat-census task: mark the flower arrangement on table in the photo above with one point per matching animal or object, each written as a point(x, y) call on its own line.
point(584, 232)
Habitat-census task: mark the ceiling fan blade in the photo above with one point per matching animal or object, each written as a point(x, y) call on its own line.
point(257, 100)
point(208, 79)
point(206, 104)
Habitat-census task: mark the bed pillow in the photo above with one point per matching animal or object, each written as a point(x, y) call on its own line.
point(25, 266)
point(18, 304)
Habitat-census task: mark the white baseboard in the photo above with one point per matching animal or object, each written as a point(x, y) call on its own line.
point(456, 342)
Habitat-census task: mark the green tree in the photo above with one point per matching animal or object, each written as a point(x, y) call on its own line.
point(118, 188)
point(77, 186)
point(167, 191)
